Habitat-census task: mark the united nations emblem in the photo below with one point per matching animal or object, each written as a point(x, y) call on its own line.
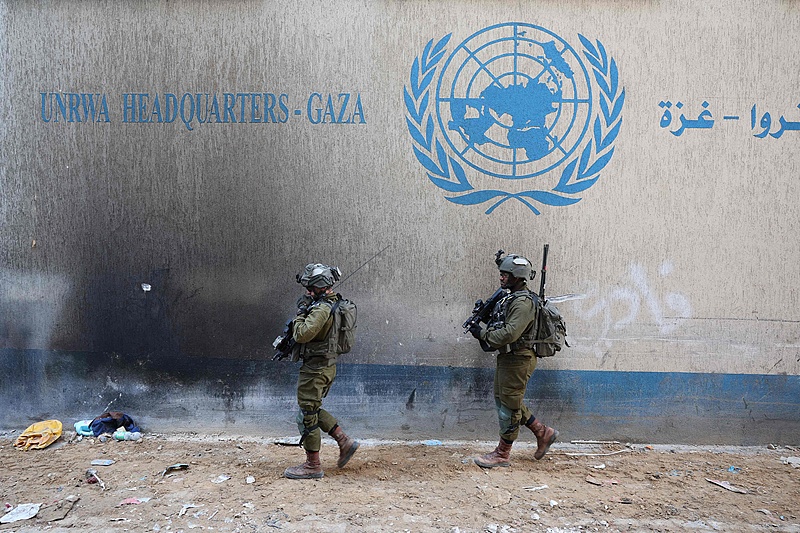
point(514, 102)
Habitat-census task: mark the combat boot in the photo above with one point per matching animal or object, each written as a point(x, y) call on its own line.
point(545, 436)
point(311, 469)
point(347, 445)
point(499, 457)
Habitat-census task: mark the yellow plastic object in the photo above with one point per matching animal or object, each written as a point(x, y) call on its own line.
point(39, 435)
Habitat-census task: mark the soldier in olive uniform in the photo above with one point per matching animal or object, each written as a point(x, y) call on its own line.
point(512, 331)
point(310, 330)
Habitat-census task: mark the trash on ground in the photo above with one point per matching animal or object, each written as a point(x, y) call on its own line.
point(594, 442)
point(133, 501)
point(432, 442)
point(173, 468)
point(221, 478)
point(23, 511)
point(553, 503)
point(531, 489)
point(110, 421)
point(250, 480)
point(727, 485)
point(92, 477)
point(600, 454)
point(734, 469)
point(103, 462)
point(58, 510)
point(39, 435)
point(186, 507)
point(601, 466)
point(122, 434)
point(84, 428)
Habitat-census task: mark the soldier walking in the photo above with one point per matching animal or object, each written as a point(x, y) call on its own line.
point(311, 330)
point(512, 331)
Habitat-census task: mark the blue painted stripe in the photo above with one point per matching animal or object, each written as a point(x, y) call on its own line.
point(401, 400)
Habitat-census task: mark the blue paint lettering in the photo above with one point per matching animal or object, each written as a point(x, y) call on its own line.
point(62, 106)
point(83, 107)
point(229, 103)
point(143, 99)
point(74, 102)
point(322, 110)
point(156, 115)
point(283, 103)
point(316, 117)
point(45, 115)
point(171, 107)
point(90, 112)
point(269, 107)
point(243, 98)
point(214, 110)
point(359, 111)
point(343, 99)
point(187, 119)
point(255, 111)
point(128, 110)
point(201, 107)
point(329, 111)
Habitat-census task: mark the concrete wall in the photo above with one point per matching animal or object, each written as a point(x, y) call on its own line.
point(233, 142)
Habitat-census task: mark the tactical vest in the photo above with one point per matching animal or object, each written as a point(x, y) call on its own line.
point(319, 345)
point(528, 337)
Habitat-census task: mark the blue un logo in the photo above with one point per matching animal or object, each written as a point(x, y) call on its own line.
point(515, 102)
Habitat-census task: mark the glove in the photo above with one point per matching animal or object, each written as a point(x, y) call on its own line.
point(476, 331)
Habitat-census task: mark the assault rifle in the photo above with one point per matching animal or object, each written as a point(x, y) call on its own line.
point(482, 312)
point(284, 343)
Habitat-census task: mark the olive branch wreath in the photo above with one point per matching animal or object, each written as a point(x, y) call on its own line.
point(447, 173)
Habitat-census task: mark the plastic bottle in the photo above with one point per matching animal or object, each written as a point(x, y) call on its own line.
point(121, 434)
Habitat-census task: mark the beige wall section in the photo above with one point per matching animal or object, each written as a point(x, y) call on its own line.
point(684, 255)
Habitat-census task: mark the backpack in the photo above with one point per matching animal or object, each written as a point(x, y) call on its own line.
point(551, 330)
point(342, 335)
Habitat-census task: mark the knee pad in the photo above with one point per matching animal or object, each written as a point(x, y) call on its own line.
point(299, 419)
point(306, 428)
point(505, 416)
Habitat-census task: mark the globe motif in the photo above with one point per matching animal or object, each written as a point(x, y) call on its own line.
point(514, 100)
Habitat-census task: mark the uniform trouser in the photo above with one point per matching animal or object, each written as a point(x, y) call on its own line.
point(510, 381)
point(313, 384)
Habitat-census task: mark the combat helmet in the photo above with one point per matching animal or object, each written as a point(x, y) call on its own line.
point(318, 275)
point(514, 264)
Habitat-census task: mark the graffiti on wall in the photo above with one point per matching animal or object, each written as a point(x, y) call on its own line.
point(633, 299)
point(514, 102)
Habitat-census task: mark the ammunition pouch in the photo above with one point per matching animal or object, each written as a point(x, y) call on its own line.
point(316, 353)
point(525, 342)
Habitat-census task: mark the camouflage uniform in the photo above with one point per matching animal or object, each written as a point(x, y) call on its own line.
point(310, 330)
point(512, 331)
point(317, 373)
point(512, 334)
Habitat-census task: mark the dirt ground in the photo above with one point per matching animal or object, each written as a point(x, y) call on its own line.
point(235, 483)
